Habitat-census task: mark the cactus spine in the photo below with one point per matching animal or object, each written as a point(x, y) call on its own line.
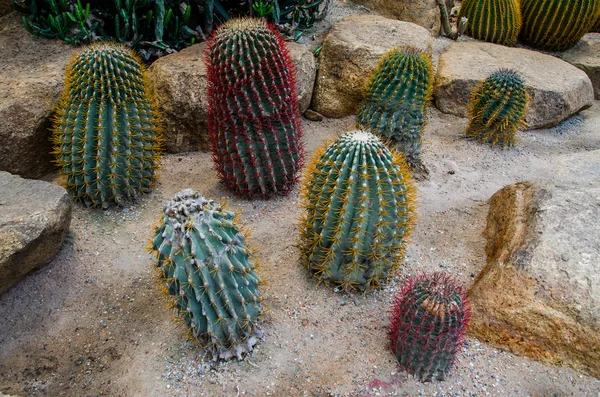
point(204, 264)
point(254, 117)
point(427, 325)
point(498, 108)
point(556, 25)
point(358, 203)
point(396, 104)
point(107, 130)
point(496, 21)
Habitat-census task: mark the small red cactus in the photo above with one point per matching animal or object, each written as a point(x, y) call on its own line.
point(427, 325)
point(254, 119)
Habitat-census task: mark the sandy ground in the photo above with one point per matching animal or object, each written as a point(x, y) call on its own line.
point(92, 322)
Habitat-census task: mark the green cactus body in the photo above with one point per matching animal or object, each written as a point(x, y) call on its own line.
point(358, 203)
point(254, 118)
point(427, 325)
point(107, 131)
point(556, 25)
point(498, 108)
point(396, 104)
point(495, 21)
point(596, 27)
point(205, 264)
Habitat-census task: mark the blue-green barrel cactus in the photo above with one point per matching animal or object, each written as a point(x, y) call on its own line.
point(498, 109)
point(358, 212)
point(107, 136)
point(396, 104)
point(206, 267)
point(556, 25)
point(495, 21)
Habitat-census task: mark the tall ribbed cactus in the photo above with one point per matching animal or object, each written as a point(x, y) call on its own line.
point(396, 104)
point(358, 203)
point(427, 325)
point(496, 21)
point(556, 25)
point(254, 118)
point(106, 131)
point(498, 108)
point(204, 264)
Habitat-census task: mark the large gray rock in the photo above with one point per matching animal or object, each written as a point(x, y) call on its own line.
point(586, 56)
point(539, 294)
point(425, 13)
point(34, 220)
point(351, 51)
point(557, 89)
point(31, 80)
point(179, 82)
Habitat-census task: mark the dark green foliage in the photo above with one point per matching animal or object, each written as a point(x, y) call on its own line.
point(396, 104)
point(556, 25)
point(496, 21)
point(152, 27)
point(427, 325)
point(301, 13)
point(204, 265)
point(498, 108)
point(107, 131)
point(358, 202)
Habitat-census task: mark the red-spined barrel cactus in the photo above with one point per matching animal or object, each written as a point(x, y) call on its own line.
point(254, 117)
point(428, 322)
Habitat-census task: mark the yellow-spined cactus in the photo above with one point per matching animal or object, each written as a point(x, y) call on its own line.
point(495, 21)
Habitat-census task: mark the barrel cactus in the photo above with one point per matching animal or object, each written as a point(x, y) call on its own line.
point(498, 108)
point(495, 21)
point(556, 25)
point(358, 202)
point(396, 104)
point(427, 325)
point(596, 27)
point(254, 117)
point(107, 130)
point(205, 265)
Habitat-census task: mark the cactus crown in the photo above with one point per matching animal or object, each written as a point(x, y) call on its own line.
point(396, 104)
point(427, 325)
point(107, 136)
point(254, 115)
point(204, 263)
point(556, 25)
point(358, 203)
point(496, 21)
point(498, 108)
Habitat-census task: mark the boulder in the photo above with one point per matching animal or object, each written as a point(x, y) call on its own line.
point(539, 294)
point(557, 89)
point(179, 82)
point(586, 56)
point(424, 13)
point(34, 220)
point(351, 51)
point(31, 81)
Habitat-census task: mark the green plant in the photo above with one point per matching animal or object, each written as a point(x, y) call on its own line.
point(496, 21)
point(358, 211)
point(152, 27)
point(396, 103)
point(254, 117)
point(107, 129)
point(300, 13)
point(204, 265)
point(427, 325)
point(498, 108)
point(461, 24)
point(263, 8)
point(556, 25)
